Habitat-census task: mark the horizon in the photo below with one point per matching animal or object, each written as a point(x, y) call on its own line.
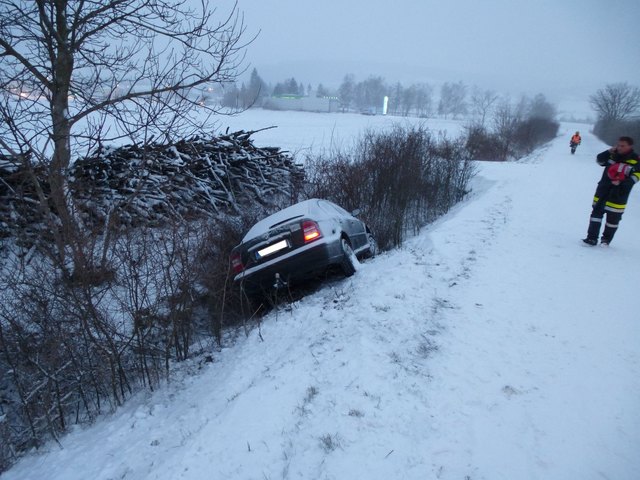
point(513, 47)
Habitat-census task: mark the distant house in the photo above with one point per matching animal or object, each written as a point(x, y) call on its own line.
point(301, 103)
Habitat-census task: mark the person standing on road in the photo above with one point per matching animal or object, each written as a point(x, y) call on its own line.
point(576, 139)
point(621, 173)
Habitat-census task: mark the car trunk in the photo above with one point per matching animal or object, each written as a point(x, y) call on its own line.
point(279, 240)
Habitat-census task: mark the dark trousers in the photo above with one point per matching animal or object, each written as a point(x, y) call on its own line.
point(612, 200)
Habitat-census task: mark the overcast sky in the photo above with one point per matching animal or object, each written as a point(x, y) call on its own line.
point(517, 46)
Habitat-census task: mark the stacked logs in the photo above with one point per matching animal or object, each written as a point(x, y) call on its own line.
point(148, 185)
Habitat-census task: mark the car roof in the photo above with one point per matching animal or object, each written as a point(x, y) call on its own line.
point(298, 210)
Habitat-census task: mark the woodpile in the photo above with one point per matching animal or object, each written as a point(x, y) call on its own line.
point(147, 185)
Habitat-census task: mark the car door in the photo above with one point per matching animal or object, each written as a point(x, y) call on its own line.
point(353, 227)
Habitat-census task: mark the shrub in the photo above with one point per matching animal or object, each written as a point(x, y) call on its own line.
point(399, 180)
point(512, 139)
point(610, 130)
point(482, 144)
point(533, 132)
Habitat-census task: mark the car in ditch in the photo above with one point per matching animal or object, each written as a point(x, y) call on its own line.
point(298, 243)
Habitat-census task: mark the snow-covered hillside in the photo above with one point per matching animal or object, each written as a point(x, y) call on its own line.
point(494, 345)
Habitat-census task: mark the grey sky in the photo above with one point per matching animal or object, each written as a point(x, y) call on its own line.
point(520, 46)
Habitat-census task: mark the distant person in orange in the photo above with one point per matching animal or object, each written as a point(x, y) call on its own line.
point(575, 141)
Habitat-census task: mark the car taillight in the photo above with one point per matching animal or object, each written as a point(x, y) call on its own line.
point(310, 231)
point(236, 262)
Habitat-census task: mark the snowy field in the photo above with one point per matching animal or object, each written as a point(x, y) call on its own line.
point(494, 345)
point(303, 132)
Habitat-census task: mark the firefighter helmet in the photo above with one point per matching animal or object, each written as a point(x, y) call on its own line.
point(617, 172)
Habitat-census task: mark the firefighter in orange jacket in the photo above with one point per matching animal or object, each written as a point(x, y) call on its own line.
point(575, 141)
point(576, 138)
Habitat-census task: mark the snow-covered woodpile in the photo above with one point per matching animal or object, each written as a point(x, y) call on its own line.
point(137, 185)
point(20, 209)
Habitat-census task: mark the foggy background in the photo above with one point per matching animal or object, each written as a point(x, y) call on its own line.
point(564, 49)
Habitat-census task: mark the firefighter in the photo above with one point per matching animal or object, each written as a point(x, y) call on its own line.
point(575, 141)
point(576, 138)
point(621, 173)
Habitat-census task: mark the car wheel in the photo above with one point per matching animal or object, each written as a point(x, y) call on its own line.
point(349, 259)
point(373, 246)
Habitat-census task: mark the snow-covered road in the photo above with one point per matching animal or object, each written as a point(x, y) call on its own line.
point(494, 345)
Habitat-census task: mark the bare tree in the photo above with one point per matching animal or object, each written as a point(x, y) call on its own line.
point(453, 99)
point(505, 124)
point(423, 99)
point(395, 99)
point(409, 99)
point(541, 108)
point(616, 101)
point(76, 73)
point(482, 102)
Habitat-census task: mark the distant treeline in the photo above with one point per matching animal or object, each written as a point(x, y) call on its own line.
point(451, 100)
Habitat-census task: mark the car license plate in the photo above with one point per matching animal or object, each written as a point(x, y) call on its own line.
point(271, 249)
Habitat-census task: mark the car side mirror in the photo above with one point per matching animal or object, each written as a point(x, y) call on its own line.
point(356, 212)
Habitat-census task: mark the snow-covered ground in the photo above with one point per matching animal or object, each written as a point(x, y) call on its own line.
point(494, 345)
point(303, 132)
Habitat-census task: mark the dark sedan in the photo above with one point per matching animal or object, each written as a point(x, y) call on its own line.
point(300, 242)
